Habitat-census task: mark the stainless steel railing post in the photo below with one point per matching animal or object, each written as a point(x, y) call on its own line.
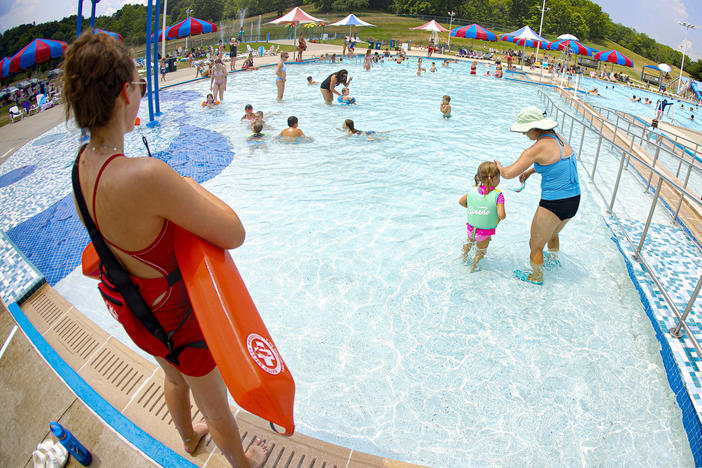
point(597, 157)
point(650, 217)
point(616, 184)
point(682, 195)
point(582, 139)
point(653, 165)
point(616, 126)
point(570, 134)
point(675, 332)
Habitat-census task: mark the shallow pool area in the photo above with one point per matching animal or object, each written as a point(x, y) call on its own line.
point(353, 259)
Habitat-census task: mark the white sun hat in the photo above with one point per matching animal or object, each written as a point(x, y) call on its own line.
point(532, 117)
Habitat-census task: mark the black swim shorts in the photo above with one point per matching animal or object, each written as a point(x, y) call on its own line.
point(565, 208)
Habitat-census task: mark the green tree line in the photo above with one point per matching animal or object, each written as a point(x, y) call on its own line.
point(582, 18)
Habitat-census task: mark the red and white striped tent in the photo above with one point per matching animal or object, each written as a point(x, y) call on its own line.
point(295, 16)
point(432, 26)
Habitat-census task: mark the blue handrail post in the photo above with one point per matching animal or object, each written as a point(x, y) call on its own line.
point(79, 19)
point(149, 18)
point(156, 23)
point(92, 14)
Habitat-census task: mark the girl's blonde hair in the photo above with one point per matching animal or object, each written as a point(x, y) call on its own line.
point(487, 175)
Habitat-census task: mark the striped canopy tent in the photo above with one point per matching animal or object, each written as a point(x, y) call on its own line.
point(614, 57)
point(574, 47)
point(432, 26)
point(526, 33)
point(37, 51)
point(474, 31)
point(530, 43)
point(555, 45)
point(295, 17)
point(188, 27)
point(117, 36)
point(5, 67)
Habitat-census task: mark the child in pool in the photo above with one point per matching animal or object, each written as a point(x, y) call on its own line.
point(350, 127)
point(248, 113)
point(345, 97)
point(256, 139)
point(419, 67)
point(486, 208)
point(433, 67)
point(210, 102)
point(473, 67)
point(258, 118)
point(446, 107)
point(311, 82)
point(292, 132)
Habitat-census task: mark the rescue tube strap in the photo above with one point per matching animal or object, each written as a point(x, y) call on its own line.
point(119, 278)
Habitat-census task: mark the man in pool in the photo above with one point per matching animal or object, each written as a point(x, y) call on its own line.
point(291, 133)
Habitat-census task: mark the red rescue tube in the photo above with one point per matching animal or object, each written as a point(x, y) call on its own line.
point(90, 262)
point(246, 356)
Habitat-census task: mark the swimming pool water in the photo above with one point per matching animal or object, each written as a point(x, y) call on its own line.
point(617, 96)
point(353, 259)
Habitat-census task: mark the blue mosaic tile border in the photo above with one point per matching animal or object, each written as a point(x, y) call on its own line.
point(18, 277)
point(676, 260)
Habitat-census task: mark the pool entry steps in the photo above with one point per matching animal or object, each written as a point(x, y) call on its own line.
point(133, 386)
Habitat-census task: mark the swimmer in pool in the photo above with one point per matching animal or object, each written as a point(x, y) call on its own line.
point(258, 118)
point(594, 92)
point(248, 113)
point(256, 139)
point(292, 132)
point(446, 107)
point(346, 97)
point(311, 82)
point(349, 126)
point(433, 67)
point(486, 208)
point(419, 67)
point(209, 102)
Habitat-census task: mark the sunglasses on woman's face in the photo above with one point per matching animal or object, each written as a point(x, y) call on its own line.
point(142, 83)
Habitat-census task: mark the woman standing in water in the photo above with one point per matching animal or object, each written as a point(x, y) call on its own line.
point(218, 81)
point(301, 47)
point(555, 160)
point(328, 86)
point(135, 203)
point(281, 75)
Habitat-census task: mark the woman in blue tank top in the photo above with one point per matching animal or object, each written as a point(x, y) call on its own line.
point(555, 160)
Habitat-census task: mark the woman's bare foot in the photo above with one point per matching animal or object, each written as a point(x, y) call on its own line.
point(200, 430)
point(257, 453)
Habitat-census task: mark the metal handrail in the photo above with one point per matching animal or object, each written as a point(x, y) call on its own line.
point(693, 163)
point(627, 155)
point(674, 138)
point(685, 149)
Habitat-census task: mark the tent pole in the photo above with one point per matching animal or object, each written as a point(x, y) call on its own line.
point(149, 17)
point(157, 106)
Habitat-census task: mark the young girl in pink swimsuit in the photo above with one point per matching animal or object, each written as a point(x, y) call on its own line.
point(486, 208)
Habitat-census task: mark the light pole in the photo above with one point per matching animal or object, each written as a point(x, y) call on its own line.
point(687, 27)
point(187, 15)
point(541, 25)
point(163, 46)
point(451, 15)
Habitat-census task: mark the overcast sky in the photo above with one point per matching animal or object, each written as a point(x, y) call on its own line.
point(657, 18)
